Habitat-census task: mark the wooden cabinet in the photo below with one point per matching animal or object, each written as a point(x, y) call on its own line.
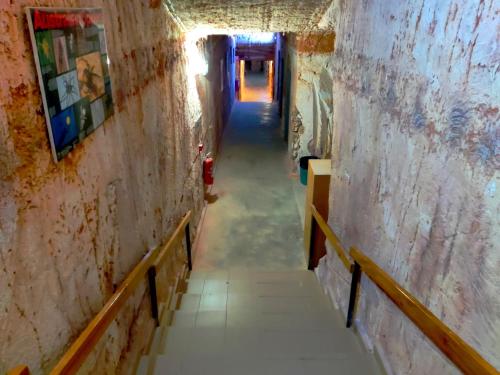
point(318, 189)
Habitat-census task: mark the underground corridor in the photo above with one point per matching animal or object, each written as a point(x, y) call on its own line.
point(249, 187)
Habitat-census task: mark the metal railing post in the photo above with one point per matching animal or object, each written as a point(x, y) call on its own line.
point(188, 247)
point(356, 276)
point(152, 294)
point(310, 265)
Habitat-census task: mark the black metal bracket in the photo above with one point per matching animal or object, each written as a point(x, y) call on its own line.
point(356, 276)
point(310, 265)
point(152, 294)
point(188, 247)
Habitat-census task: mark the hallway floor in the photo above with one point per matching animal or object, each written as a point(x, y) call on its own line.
point(254, 221)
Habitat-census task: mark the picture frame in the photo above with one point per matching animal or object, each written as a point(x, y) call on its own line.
point(72, 64)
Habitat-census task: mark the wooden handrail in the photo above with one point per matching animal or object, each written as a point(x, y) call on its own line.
point(332, 238)
point(19, 370)
point(80, 349)
point(457, 350)
point(173, 240)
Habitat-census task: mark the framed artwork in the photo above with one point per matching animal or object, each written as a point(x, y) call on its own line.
point(71, 58)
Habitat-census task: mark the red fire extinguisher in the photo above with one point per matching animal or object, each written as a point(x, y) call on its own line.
point(208, 176)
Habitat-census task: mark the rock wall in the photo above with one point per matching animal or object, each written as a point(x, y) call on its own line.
point(215, 89)
point(311, 104)
point(70, 232)
point(416, 164)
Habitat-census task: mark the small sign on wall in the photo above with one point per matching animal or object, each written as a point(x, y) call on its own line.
point(69, 47)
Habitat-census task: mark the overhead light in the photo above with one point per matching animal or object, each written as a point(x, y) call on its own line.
point(257, 38)
point(196, 59)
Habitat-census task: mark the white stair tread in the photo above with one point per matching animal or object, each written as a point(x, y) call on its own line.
point(352, 365)
point(263, 343)
point(244, 318)
point(183, 319)
point(254, 322)
point(319, 320)
point(249, 274)
point(258, 287)
point(263, 303)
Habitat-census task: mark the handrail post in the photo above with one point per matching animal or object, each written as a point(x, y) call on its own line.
point(356, 276)
point(312, 236)
point(188, 247)
point(152, 294)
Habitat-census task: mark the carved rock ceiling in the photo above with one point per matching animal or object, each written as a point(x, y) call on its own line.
point(264, 15)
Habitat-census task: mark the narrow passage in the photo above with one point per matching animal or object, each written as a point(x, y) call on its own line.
point(254, 221)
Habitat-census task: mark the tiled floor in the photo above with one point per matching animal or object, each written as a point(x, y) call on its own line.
point(236, 322)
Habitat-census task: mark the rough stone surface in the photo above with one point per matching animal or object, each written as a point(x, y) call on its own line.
point(311, 116)
point(416, 170)
point(70, 233)
point(266, 15)
point(216, 103)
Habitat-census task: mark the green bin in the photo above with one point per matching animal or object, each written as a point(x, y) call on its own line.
point(304, 164)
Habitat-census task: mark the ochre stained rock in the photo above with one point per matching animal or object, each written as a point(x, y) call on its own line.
point(315, 42)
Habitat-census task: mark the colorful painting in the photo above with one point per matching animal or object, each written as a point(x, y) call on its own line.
point(83, 118)
point(45, 48)
point(97, 110)
point(90, 75)
point(64, 128)
point(67, 89)
point(61, 54)
point(71, 58)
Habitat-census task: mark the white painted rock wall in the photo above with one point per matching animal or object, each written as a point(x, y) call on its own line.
point(416, 168)
point(311, 115)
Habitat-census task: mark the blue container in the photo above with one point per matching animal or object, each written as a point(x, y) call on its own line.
point(304, 165)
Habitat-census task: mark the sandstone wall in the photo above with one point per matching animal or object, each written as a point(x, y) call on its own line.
point(311, 105)
point(70, 232)
point(416, 170)
point(216, 99)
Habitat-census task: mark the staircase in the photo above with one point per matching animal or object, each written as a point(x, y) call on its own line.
point(250, 322)
point(242, 322)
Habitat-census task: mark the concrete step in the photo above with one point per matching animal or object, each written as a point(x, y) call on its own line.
point(261, 343)
point(249, 274)
point(265, 292)
point(253, 302)
point(263, 284)
point(244, 318)
point(196, 365)
point(246, 322)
